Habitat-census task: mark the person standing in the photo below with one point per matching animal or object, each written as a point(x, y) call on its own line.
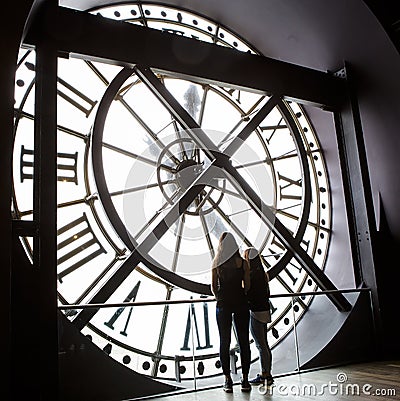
point(230, 282)
point(258, 296)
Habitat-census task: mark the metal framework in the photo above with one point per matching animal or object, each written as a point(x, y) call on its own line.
point(45, 212)
point(283, 81)
point(94, 37)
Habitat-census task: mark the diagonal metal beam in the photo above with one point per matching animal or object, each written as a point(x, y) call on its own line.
point(147, 76)
point(100, 39)
point(223, 161)
point(284, 235)
point(251, 126)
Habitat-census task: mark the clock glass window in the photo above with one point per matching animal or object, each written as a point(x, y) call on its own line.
point(124, 159)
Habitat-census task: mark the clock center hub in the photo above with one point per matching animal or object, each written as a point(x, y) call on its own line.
point(186, 172)
point(175, 180)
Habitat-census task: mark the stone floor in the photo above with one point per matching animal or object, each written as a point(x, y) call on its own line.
point(367, 381)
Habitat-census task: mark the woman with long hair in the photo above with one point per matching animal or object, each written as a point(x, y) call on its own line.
point(230, 283)
point(258, 296)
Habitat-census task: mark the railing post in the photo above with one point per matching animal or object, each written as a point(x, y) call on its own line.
point(233, 359)
point(296, 343)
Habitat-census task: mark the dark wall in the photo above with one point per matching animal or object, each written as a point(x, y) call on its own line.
point(25, 333)
point(14, 16)
point(388, 13)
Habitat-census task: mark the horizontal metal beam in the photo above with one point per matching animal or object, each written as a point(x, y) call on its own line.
point(203, 300)
point(24, 228)
point(97, 38)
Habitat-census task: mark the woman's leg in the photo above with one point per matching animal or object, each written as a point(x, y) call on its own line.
point(259, 333)
point(241, 318)
point(224, 322)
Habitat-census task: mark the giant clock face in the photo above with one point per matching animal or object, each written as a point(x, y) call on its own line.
point(126, 159)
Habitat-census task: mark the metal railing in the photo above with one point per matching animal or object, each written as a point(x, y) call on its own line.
point(294, 341)
point(208, 299)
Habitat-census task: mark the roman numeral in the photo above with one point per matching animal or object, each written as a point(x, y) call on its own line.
point(279, 245)
point(285, 190)
point(174, 31)
point(192, 311)
point(282, 249)
point(231, 92)
point(290, 275)
point(273, 308)
point(71, 94)
point(66, 166)
point(26, 164)
point(75, 97)
point(130, 298)
point(77, 251)
point(273, 129)
point(178, 32)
